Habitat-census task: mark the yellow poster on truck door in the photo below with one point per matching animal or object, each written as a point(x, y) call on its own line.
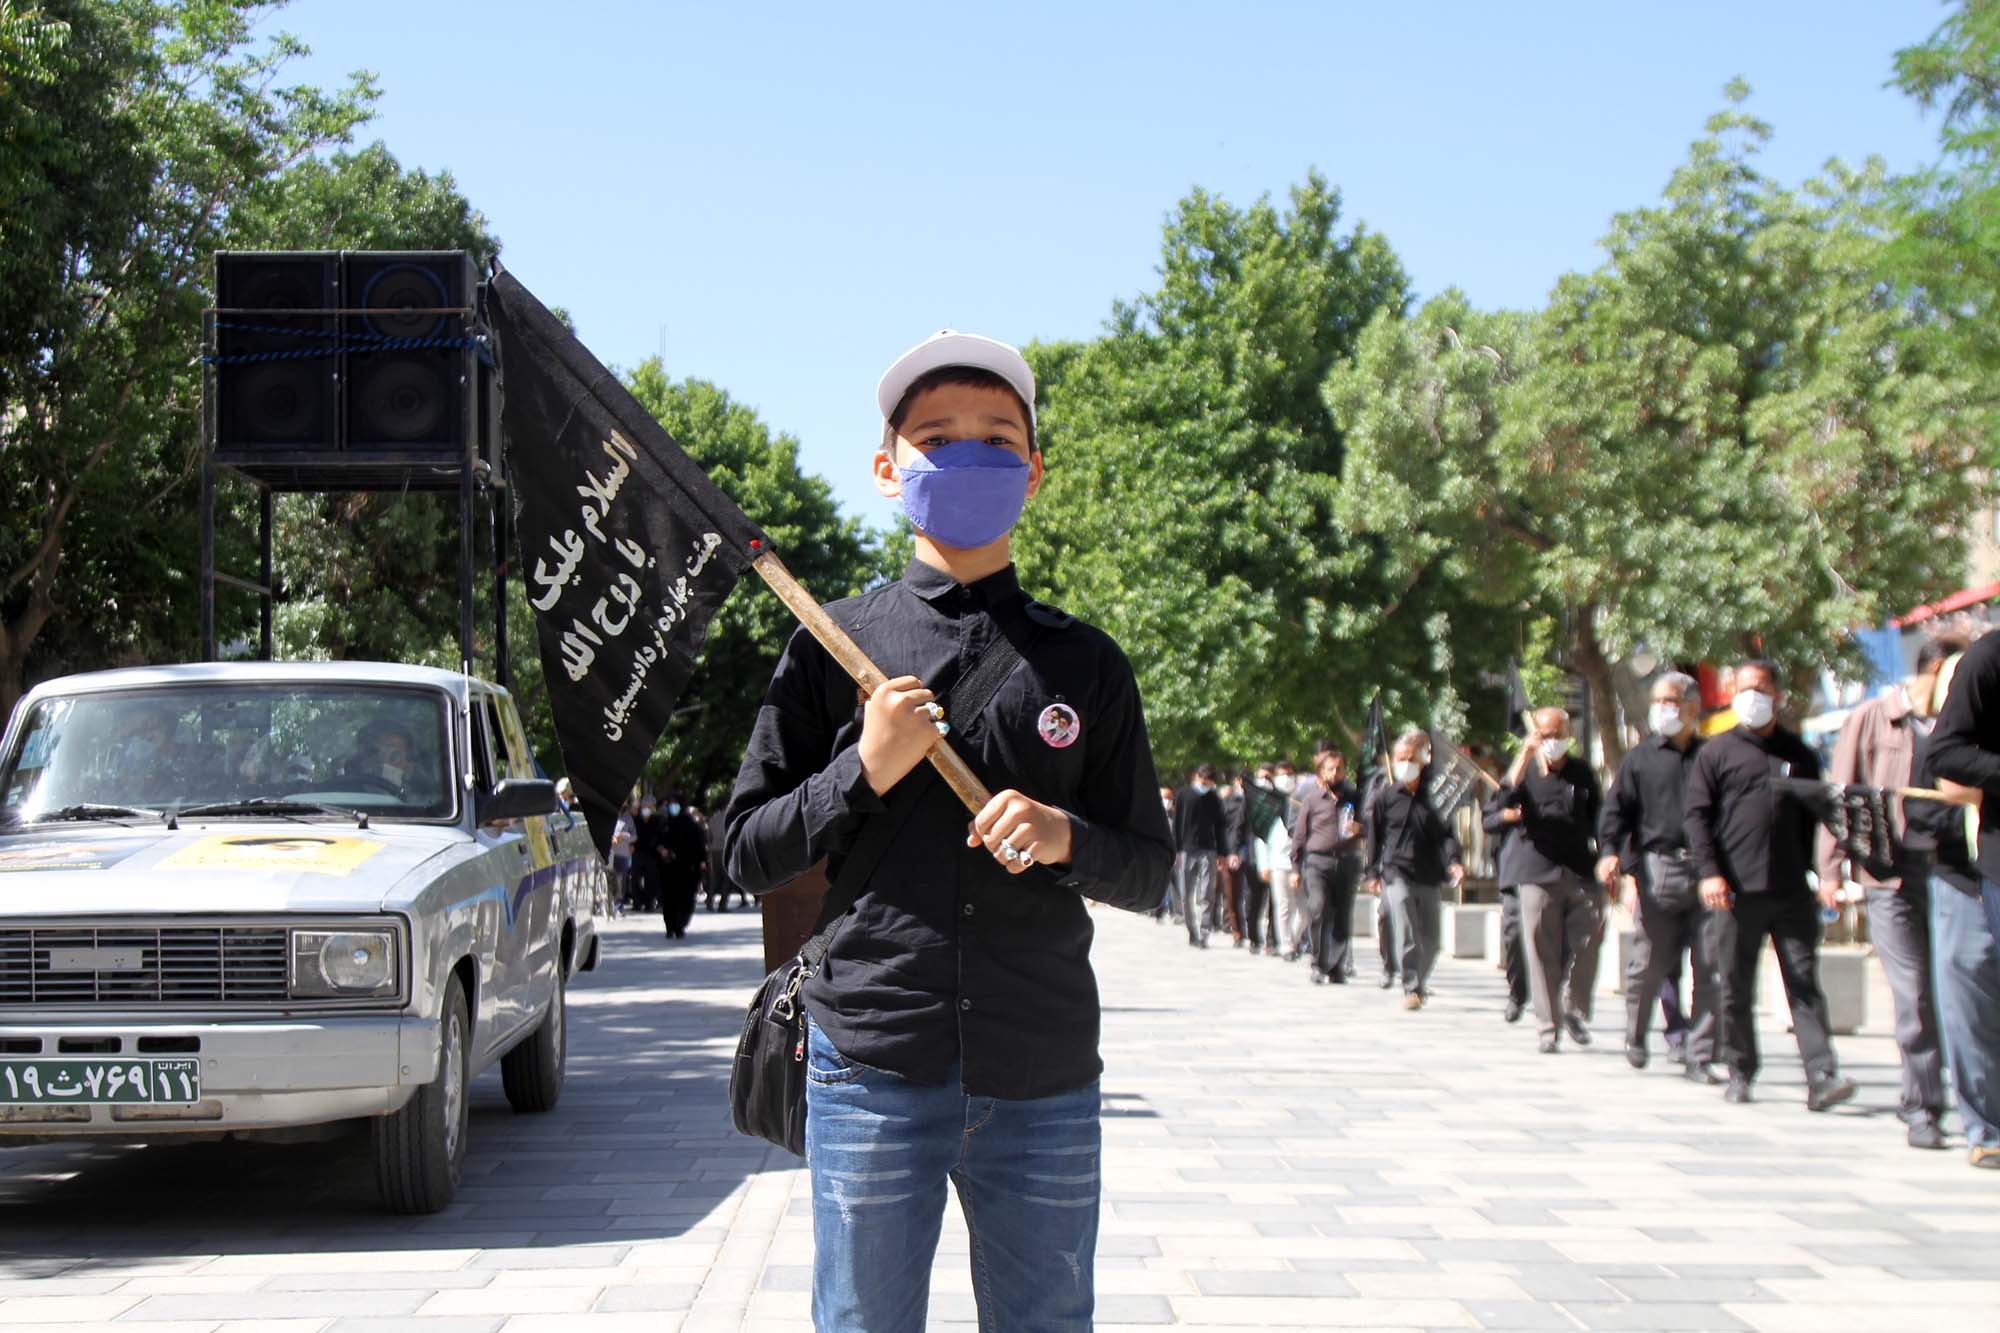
point(540, 848)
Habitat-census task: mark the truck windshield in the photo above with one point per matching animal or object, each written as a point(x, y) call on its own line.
point(378, 749)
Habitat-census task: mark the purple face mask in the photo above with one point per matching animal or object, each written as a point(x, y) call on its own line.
point(965, 494)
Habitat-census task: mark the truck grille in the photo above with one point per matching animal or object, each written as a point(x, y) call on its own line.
point(178, 965)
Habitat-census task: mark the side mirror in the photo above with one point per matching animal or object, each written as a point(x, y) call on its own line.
point(518, 798)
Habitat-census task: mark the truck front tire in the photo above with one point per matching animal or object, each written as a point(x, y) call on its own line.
point(532, 1073)
point(420, 1150)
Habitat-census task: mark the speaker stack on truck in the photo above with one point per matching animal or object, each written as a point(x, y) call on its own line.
point(350, 370)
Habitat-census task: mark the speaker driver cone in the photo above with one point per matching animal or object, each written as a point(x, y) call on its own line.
point(400, 401)
point(405, 288)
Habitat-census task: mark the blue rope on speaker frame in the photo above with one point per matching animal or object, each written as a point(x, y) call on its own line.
point(376, 343)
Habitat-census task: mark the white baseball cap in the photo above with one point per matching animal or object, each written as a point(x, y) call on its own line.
point(948, 347)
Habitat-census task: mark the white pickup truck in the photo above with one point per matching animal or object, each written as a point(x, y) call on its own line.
point(262, 898)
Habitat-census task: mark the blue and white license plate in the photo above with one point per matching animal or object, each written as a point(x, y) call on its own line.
point(99, 1082)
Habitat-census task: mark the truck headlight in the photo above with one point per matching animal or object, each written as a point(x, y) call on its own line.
point(343, 964)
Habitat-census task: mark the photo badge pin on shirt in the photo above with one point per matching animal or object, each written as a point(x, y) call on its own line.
point(1059, 726)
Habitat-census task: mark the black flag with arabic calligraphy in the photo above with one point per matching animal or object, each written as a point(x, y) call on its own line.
point(627, 548)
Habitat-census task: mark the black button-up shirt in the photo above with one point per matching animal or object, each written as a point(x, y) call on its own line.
point(1407, 838)
point(1197, 820)
point(1644, 811)
point(1558, 819)
point(945, 955)
point(1740, 825)
point(1965, 744)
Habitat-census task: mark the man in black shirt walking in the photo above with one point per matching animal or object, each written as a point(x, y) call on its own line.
point(1198, 844)
point(1552, 801)
point(954, 1022)
point(1751, 846)
point(1642, 836)
point(1412, 853)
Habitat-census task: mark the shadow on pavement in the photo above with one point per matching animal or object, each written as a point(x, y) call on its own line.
point(639, 1148)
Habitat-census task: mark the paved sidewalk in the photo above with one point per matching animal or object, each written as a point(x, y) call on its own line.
point(1277, 1155)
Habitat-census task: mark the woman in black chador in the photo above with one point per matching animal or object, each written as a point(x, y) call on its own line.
point(685, 849)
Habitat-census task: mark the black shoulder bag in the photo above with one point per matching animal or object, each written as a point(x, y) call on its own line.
point(767, 1084)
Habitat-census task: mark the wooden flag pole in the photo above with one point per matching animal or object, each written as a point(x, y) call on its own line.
point(865, 673)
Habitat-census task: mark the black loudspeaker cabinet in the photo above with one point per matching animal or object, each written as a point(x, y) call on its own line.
point(408, 373)
point(277, 383)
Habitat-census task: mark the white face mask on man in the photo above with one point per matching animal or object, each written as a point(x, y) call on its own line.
point(1553, 749)
point(1754, 708)
point(1286, 782)
point(1666, 719)
point(1405, 771)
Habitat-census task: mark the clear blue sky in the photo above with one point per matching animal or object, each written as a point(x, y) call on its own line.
point(781, 198)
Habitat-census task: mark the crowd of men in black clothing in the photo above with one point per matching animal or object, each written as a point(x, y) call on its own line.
point(1278, 862)
point(659, 862)
point(1707, 843)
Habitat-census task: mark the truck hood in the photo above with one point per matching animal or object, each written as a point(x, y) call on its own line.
point(219, 867)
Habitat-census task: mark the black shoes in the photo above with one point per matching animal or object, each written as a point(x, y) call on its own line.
point(1925, 1133)
point(1824, 1093)
point(1512, 1013)
point(1319, 977)
point(1738, 1091)
point(1578, 1031)
point(1702, 1074)
point(1387, 981)
point(1635, 1056)
point(1547, 1046)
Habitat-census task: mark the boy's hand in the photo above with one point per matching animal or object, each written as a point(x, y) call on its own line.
point(897, 731)
point(1038, 833)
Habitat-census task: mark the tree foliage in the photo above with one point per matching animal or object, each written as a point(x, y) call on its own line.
point(1193, 470)
point(160, 117)
point(831, 555)
point(1721, 441)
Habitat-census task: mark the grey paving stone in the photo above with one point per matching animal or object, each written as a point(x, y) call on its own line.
point(1518, 1314)
point(435, 1323)
point(1654, 1317)
point(1273, 1284)
point(618, 1299)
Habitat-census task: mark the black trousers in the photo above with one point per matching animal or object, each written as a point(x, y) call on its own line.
point(1791, 921)
point(1671, 919)
point(1329, 883)
point(1513, 955)
point(1256, 904)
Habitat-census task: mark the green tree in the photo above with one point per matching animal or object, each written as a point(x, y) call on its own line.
point(1950, 213)
point(163, 116)
point(1193, 469)
point(1721, 441)
point(831, 555)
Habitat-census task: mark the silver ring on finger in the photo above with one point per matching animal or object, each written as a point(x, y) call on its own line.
point(1008, 851)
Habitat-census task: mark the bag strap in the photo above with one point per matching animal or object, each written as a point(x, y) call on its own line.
point(965, 702)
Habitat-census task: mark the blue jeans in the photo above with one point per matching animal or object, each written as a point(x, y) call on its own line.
point(1966, 964)
point(880, 1149)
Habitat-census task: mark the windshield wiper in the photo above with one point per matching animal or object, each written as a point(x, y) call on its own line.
point(110, 814)
point(272, 805)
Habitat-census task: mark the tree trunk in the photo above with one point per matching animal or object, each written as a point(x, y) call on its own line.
point(1587, 658)
point(13, 682)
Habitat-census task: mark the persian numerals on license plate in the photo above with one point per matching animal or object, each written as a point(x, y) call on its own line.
point(99, 1082)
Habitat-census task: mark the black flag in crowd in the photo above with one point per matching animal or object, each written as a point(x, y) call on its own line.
point(1374, 740)
point(1454, 777)
point(627, 548)
point(1857, 816)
